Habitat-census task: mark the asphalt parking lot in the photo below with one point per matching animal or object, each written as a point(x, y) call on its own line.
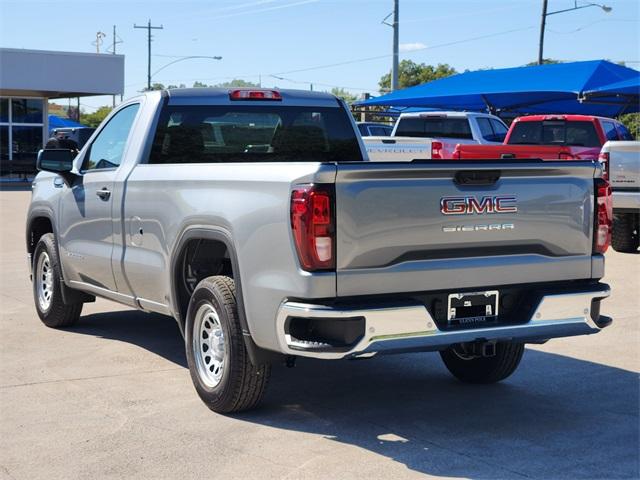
point(112, 398)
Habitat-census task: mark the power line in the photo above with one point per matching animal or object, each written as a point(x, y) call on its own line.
point(349, 62)
point(431, 47)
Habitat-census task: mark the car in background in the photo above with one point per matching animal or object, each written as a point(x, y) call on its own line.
point(564, 137)
point(434, 135)
point(621, 160)
point(373, 129)
point(80, 135)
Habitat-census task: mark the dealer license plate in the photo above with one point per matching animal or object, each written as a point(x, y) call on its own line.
point(472, 307)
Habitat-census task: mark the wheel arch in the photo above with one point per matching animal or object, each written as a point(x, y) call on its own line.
point(40, 222)
point(179, 303)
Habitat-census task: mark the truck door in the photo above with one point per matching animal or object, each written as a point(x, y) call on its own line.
point(87, 209)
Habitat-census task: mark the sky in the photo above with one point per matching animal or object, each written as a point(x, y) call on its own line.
point(327, 43)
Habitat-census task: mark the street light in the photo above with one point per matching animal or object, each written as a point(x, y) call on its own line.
point(545, 14)
point(191, 57)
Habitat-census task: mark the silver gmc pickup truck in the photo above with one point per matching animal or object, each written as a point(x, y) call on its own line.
point(254, 219)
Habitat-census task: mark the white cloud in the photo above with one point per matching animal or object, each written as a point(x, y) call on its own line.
point(409, 47)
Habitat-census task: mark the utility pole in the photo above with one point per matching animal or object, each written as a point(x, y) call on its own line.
point(543, 22)
point(396, 32)
point(396, 28)
point(545, 14)
point(149, 27)
point(115, 43)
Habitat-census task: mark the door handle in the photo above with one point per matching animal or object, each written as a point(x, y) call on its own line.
point(104, 193)
point(476, 177)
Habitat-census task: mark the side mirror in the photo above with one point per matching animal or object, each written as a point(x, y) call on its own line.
point(56, 160)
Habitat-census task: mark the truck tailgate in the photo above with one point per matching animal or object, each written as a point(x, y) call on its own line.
point(392, 235)
point(397, 149)
point(546, 152)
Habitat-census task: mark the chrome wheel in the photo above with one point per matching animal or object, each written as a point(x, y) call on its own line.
point(44, 281)
point(209, 349)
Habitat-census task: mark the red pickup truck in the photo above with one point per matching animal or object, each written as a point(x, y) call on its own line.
point(566, 137)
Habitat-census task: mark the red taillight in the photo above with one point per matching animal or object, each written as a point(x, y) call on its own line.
point(313, 226)
point(603, 158)
point(436, 150)
point(254, 95)
point(604, 216)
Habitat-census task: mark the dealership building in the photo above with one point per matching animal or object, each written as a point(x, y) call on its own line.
point(28, 80)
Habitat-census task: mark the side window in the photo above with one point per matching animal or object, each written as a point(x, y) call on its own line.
point(377, 131)
point(107, 149)
point(485, 129)
point(499, 129)
point(624, 133)
point(610, 130)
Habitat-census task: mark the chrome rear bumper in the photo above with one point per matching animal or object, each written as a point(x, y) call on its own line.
point(410, 327)
point(626, 200)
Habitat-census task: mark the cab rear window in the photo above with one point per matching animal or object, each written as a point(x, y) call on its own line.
point(434, 127)
point(215, 134)
point(555, 132)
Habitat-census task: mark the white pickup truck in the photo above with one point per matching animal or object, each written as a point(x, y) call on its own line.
point(622, 165)
point(434, 135)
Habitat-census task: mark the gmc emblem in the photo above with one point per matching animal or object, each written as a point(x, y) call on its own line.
point(473, 206)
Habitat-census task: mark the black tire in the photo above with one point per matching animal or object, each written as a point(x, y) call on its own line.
point(242, 384)
point(54, 313)
point(625, 237)
point(484, 369)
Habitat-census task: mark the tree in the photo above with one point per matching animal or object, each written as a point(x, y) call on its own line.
point(411, 73)
point(545, 61)
point(344, 94)
point(156, 86)
point(94, 119)
point(235, 83)
point(632, 122)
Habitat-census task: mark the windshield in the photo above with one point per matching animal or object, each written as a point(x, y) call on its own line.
point(442, 127)
point(555, 132)
point(265, 133)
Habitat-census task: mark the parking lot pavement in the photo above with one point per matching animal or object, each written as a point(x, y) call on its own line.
point(112, 398)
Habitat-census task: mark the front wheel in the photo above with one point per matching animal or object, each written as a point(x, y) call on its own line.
point(473, 369)
point(219, 364)
point(47, 286)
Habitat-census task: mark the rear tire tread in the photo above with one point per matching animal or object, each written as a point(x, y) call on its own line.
point(247, 381)
point(485, 369)
point(625, 237)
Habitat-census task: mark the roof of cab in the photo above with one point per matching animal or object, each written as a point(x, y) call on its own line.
point(220, 96)
point(566, 117)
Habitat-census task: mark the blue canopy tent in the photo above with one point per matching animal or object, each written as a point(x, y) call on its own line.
point(552, 88)
point(59, 122)
point(626, 93)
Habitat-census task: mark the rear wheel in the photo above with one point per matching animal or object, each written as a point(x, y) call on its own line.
point(219, 364)
point(47, 287)
point(470, 368)
point(625, 236)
